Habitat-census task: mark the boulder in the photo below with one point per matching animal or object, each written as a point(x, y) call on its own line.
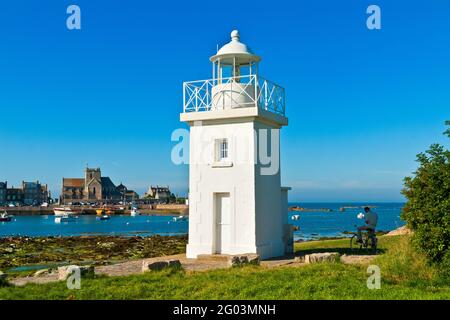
point(243, 260)
point(254, 259)
point(42, 272)
point(239, 260)
point(106, 245)
point(322, 257)
point(160, 265)
point(175, 264)
point(66, 271)
point(234, 261)
point(9, 250)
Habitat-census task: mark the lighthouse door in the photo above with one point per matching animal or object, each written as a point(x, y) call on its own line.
point(223, 223)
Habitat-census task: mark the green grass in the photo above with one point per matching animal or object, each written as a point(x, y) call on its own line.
point(405, 275)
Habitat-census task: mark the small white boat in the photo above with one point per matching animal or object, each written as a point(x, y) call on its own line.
point(295, 217)
point(180, 218)
point(135, 212)
point(63, 211)
point(103, 217)
point(64, 218)
point(5, 217)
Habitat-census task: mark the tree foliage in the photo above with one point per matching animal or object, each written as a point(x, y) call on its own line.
point(448, 130)
point(427, 211)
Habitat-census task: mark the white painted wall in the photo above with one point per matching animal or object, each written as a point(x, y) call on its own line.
point(257, 217)
point(206, 178)
point(269, 224)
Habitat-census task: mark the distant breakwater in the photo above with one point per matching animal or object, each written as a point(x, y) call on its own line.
point(301, 209)
point(160, 209)
point(28, 211)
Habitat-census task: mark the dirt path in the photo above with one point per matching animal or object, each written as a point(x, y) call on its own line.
point(134, 267)
point(130, 268)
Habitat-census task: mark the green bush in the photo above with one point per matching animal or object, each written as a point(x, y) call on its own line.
point(427, 211)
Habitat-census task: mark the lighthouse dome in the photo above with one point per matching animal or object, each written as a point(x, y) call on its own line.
point(235, 49)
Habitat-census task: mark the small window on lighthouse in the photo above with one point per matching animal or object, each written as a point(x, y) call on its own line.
point(222, 149)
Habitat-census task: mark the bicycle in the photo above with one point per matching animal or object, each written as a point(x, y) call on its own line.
point(367, 236)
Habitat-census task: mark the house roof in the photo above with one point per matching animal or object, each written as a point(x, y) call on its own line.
point(73, 182)
point(106, 182)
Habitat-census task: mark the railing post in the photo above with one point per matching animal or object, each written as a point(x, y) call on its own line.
point(196, 99)
point(255, 99)
point(265, 94)
point(184, 96)
point(207, 95)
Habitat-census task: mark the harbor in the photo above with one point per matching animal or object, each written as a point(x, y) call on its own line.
point(310, 224)
point(149, 209)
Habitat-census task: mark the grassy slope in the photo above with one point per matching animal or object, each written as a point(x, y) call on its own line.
point(405, 275)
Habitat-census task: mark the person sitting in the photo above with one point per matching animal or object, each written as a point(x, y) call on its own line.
point(371, 220)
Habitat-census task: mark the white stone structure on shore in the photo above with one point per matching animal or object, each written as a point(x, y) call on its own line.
point(237, 204)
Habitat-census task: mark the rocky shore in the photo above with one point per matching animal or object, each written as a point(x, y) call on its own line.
point(95, 250)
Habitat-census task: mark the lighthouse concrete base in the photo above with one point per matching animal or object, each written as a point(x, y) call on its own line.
point(264, 251)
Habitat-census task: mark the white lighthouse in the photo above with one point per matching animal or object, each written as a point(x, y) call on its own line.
point(236, 202)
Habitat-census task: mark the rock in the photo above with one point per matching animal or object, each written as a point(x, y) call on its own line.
point(322, 257)
point(9, 250)
point(239, 260)
point(106, 245)
point(159, 265)
point(154, 266)
point(234, 261)
point(299, 259)
point(243, 260)
point(254, 259)
point(42, 272)
point(175, 264)
point(66, 271)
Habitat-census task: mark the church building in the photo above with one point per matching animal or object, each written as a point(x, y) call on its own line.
point(92, 188)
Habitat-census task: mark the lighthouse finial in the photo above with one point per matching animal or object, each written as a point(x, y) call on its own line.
point(235, 35)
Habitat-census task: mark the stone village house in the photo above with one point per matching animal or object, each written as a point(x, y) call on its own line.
point(30, 193)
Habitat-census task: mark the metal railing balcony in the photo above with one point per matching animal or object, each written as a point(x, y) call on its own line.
point(233, 92)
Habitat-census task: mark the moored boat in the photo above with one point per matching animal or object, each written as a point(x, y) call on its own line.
point(64, 218)
point(103, 217)
point(135, 212)
point(62, 211)
point(180, 218)
point(107, 210)
point(5, 217)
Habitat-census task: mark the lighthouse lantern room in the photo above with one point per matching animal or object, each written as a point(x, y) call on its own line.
point(236, 202)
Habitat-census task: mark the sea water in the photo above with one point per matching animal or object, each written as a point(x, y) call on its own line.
point(311, 225)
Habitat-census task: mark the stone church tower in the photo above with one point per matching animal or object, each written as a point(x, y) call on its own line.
point(93, 184)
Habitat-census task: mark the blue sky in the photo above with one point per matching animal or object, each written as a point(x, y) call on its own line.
point(361, 103)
